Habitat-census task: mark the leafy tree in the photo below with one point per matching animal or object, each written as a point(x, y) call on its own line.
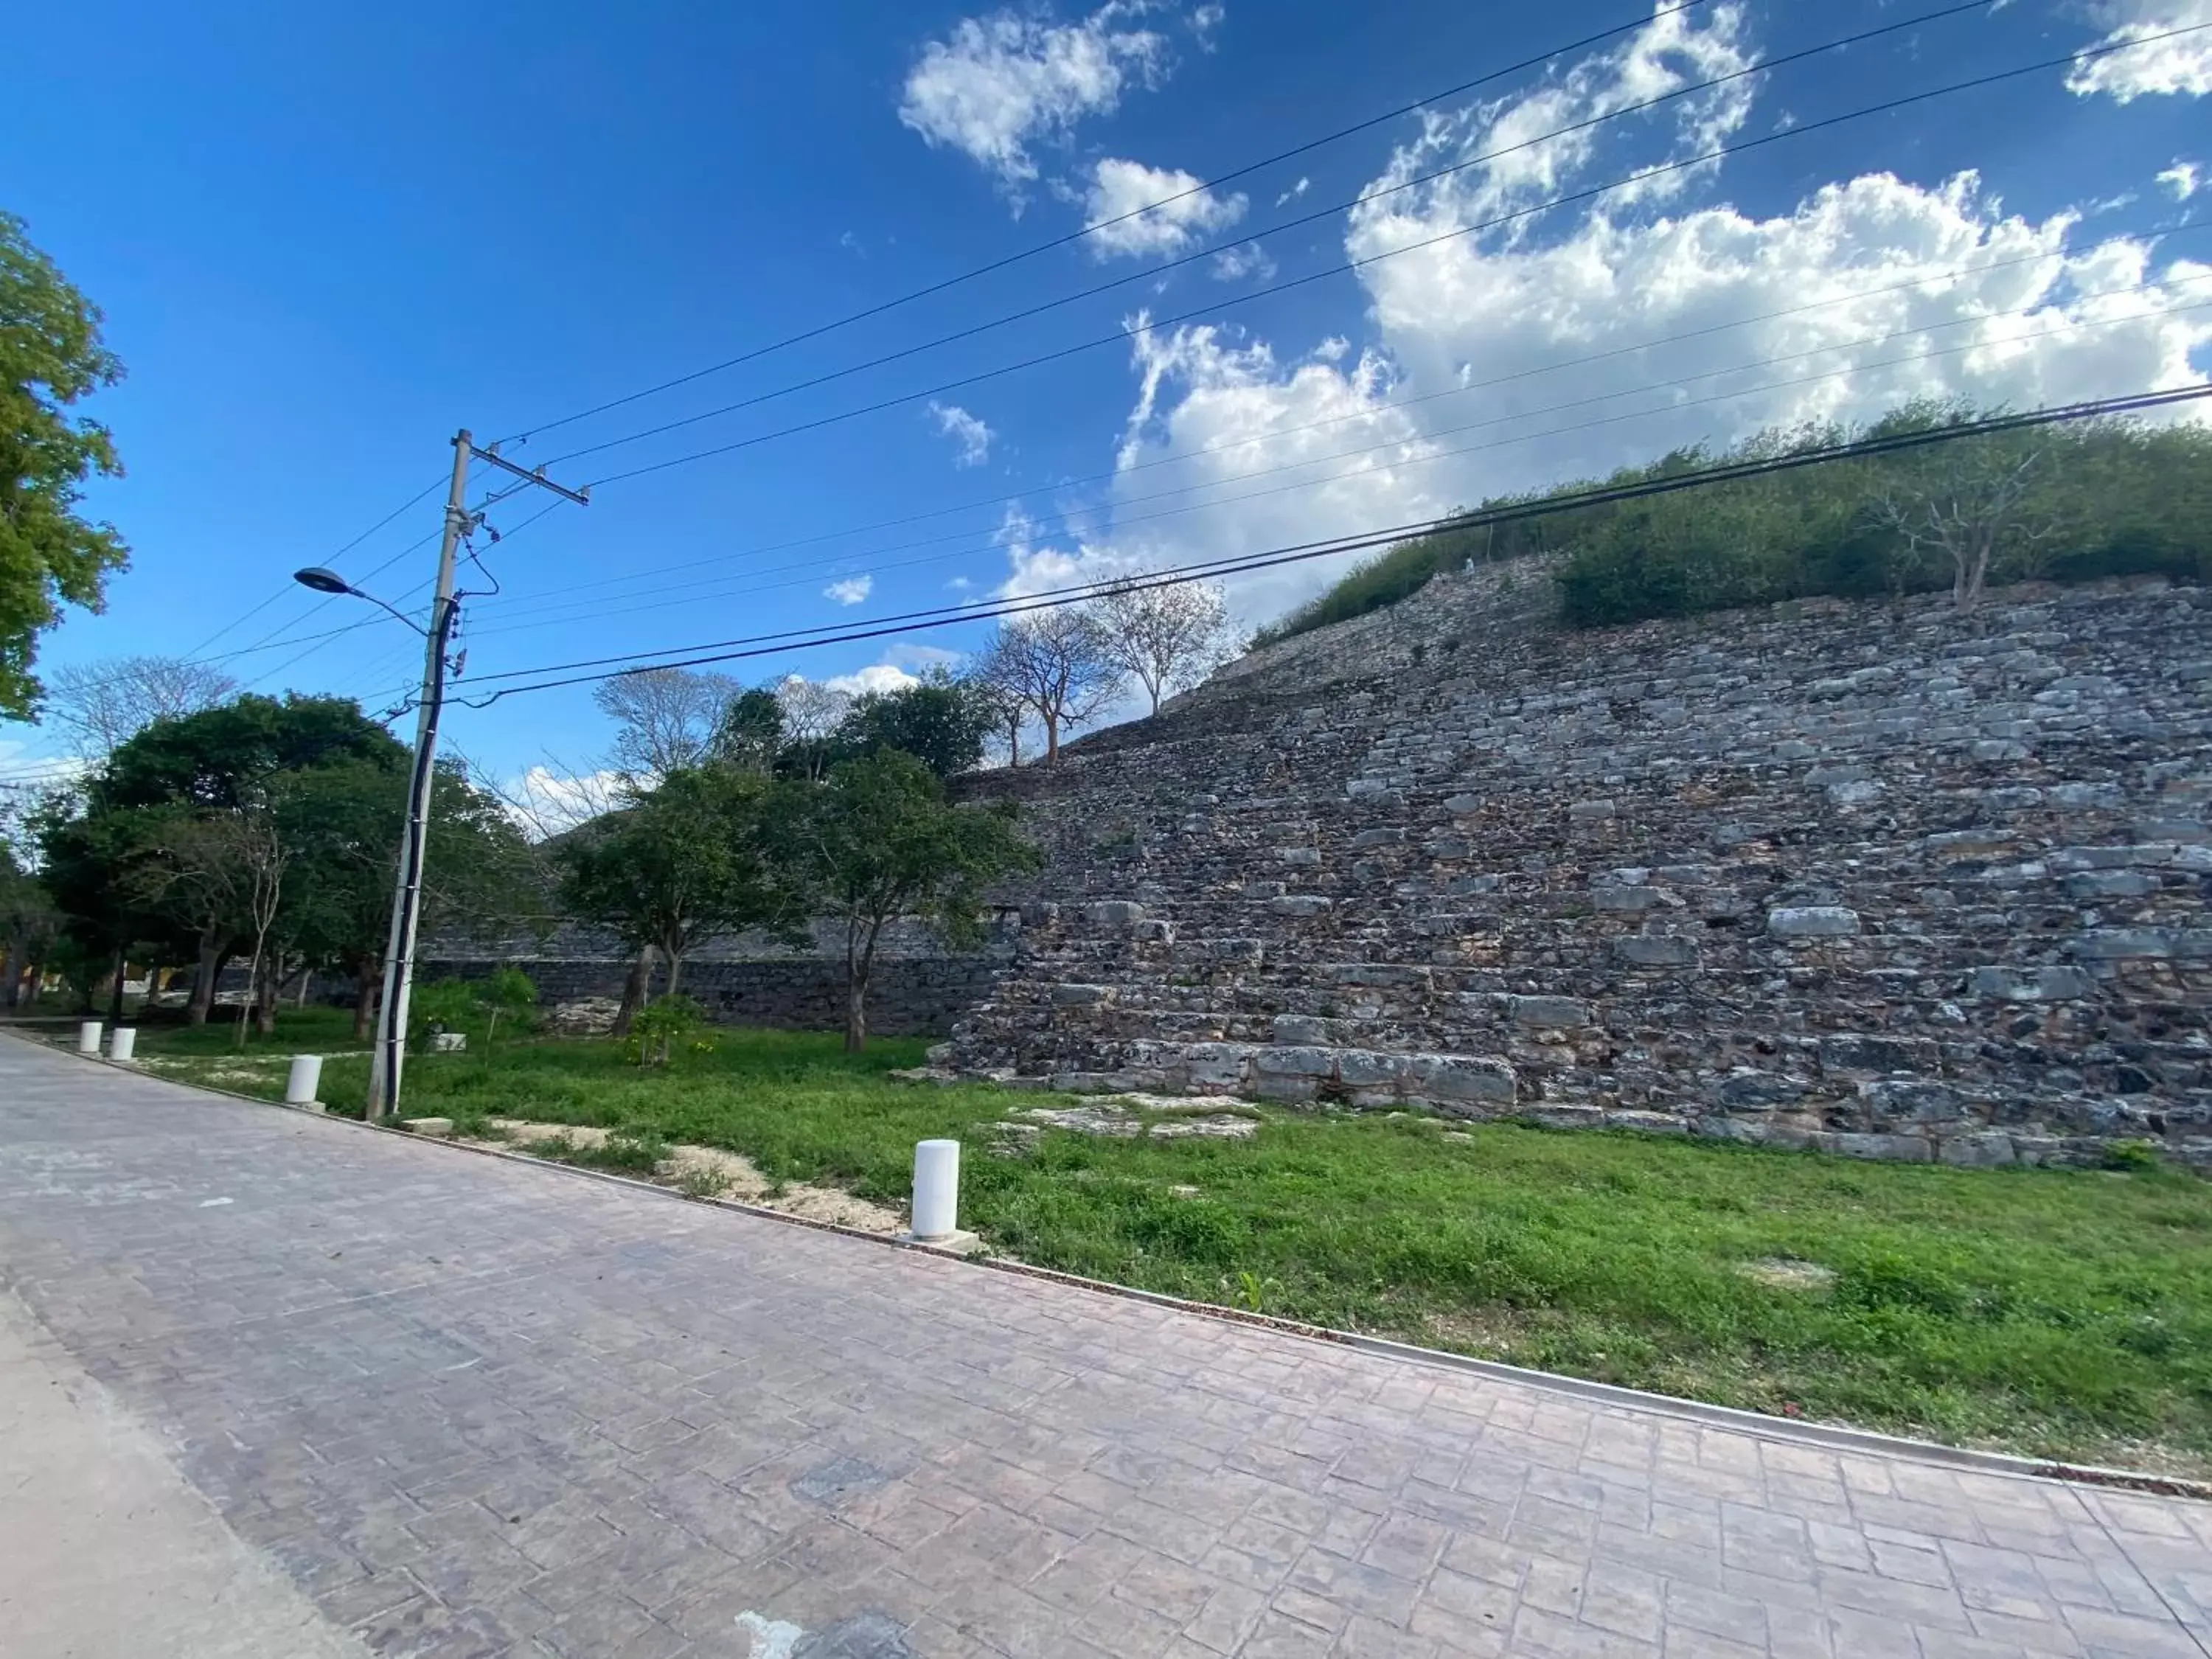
point(941, 721)
point(1168, 635)
point(750, 736)
point(28, 923)
point(508, 993)
point(343, 825)
point(685, 862)
point(50, 357)
point(671, 1022)
point(878, 840)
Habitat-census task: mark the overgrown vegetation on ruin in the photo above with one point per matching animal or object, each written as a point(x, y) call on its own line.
point(2052, 1312)
point(2066, 503)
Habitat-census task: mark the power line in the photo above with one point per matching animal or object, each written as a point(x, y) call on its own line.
point(1469, 449)
point(1150, 272)
point(1574, 500)
point(1123, 336)
point(248, 616)
point(1093, 229)
point(1115, 508)
point(1388, 403)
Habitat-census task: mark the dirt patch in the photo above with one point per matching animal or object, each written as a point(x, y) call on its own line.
point(1783, 1273)
point(710, 1172)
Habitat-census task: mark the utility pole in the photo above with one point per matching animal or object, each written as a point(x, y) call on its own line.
point(390, 1055)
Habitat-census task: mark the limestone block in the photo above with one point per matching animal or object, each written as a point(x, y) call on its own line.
point(2091, 885)
point(1566, 1012)
point(1812, 921)
point(1368, 838)
point(1079, 996)
point(1591, 811)
point(1359, 1068)
point(1461, 806)
point(1985, 1150)
point(1656, 951)
point(1300, 1029)
point(2056, 984)
point(1113, 913)
point(1447, 1078)
point(1295, 1061)
point(1300, 904)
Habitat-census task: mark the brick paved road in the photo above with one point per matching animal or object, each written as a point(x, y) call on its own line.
point(476, 1408)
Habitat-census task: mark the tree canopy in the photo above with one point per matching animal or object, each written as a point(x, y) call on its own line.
point(51, 357)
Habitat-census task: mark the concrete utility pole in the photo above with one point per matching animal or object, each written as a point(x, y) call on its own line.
point(389, 1057)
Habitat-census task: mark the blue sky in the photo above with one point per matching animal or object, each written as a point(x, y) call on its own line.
point(326, 238)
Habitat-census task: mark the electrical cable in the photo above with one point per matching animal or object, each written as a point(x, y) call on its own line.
point(1597, 495)
point(1116, 508)
point(1152, 272)
point(1553, 432)
point(1123, 336)
point(1640, 21)
point(1272, 433)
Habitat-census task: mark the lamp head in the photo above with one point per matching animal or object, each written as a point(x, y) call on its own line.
point(322, 580)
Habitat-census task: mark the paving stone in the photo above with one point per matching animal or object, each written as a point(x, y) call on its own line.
point(601, 1422)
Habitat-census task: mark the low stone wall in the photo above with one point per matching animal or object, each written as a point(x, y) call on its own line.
point(906, 996)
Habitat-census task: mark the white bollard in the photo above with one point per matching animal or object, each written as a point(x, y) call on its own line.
point(306, 1077)
point(88, 1037)
point(936, 1189)
point(123, 1044)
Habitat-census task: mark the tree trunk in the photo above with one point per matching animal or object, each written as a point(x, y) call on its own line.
point(636, 990)
point(11, 970)
point(211, 966)
point(264, 1005)
point(859, 968)
point(675, 971)
point(32, 982)
point(115, 996)
point(370, 991)
point(1051, 739)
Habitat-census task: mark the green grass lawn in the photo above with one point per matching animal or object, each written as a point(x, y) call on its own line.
point(2060, 1313)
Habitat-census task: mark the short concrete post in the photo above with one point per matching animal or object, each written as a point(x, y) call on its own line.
point(936, 1189)
point(123, 1044)
point(88, 1037)
point(306, 1077)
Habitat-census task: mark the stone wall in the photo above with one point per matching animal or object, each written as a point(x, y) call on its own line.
point(907, 997)
point(916, 990)
point(1891, 880)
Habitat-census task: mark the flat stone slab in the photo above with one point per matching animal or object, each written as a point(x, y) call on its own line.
point(478, 1405)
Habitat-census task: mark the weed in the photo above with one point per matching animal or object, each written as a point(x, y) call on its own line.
point(697, 1182)
point(2054, 1312)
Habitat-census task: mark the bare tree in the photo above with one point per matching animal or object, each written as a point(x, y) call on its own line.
point(665, 718)
point(1969, 501)
point(1169, 636)
point(103, 705)
point(1054, 664)
point(811, 712)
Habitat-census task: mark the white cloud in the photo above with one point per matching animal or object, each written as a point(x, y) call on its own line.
point(876, 677)
point(1206, 19)
point(545, 800)
point(2180, 66)
point(966, 430)
point(902, 664)
point(851, 591)
point(1187, 211)
point(2182, 179)
point(1001, 83)
point(961, 584)
point(1233, 264)
point(1514, 317)
point(1294, 192)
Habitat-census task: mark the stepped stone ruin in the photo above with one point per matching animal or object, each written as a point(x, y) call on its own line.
point(1892, 881)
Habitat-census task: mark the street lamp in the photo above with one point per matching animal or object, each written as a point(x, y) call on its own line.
point(390, 1054)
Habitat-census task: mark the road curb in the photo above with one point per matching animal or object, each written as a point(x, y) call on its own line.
point(1830, 1437)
